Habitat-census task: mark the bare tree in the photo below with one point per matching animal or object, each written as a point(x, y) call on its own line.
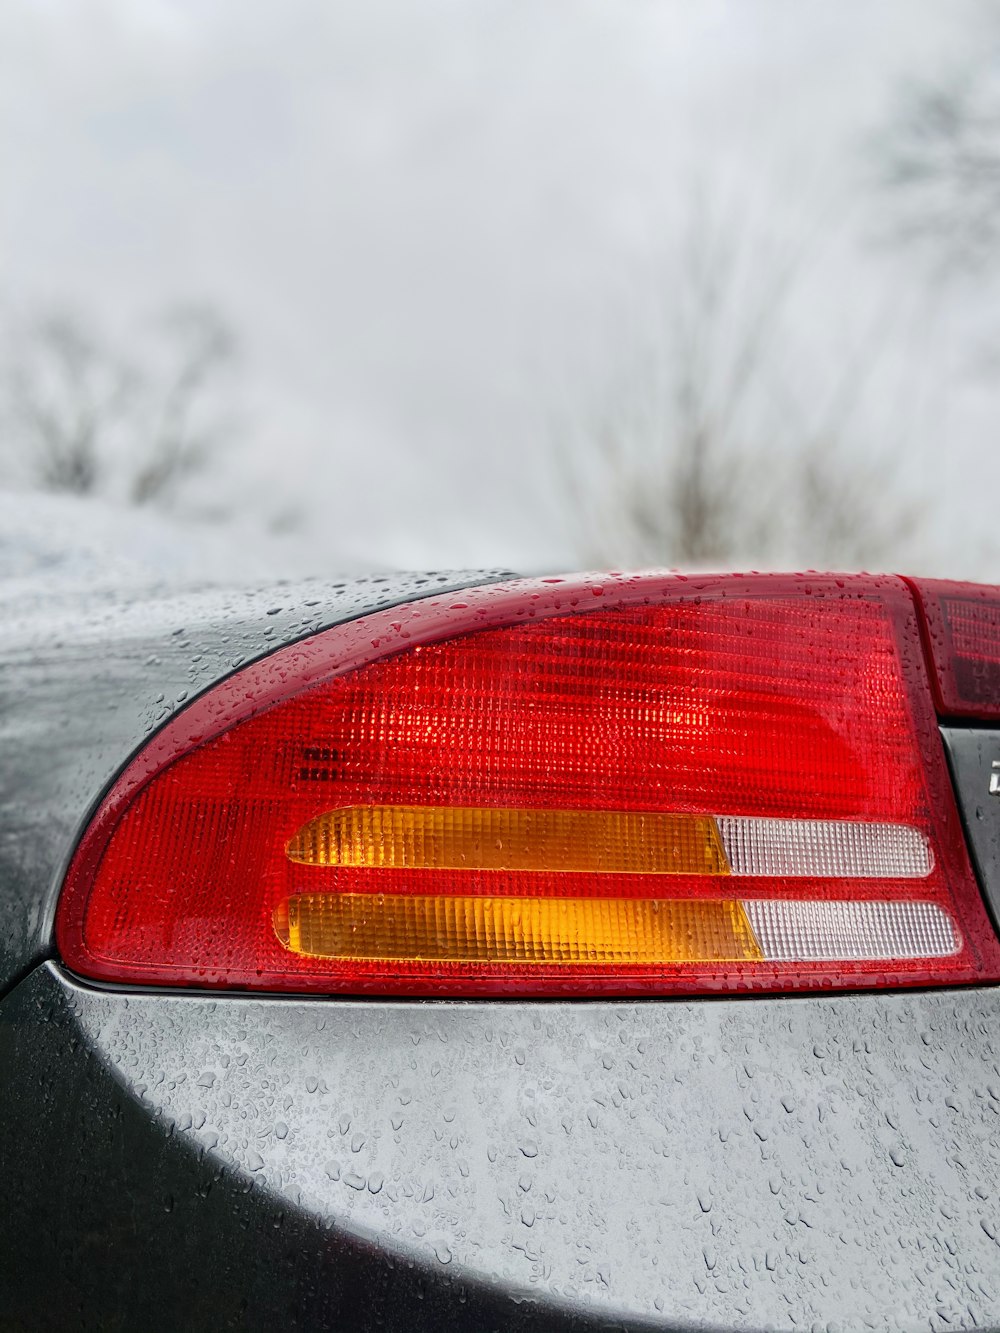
point(693, 455)
point(181, 443)
point(940, 162)
point(65, 394)
point(83, 417)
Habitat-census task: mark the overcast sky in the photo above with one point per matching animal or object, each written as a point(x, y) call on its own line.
point(429, 219)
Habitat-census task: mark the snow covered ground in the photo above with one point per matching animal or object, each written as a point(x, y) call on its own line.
point(83, 540)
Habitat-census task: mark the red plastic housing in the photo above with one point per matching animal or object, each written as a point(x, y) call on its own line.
point(764, 696)
point(961, 623)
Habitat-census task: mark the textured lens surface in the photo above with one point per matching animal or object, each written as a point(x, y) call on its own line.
point(827, 848)
point(607, 842)
point(963, 635)
point(449, 928)
point(455, 838)
point(801, 932)
point(609, 930)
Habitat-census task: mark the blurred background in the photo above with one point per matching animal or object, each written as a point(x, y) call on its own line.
point(318, 286)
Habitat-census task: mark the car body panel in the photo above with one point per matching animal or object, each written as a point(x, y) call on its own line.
point(824, 1161)
point(974, 759)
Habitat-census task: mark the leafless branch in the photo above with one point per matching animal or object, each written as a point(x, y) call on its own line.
point(203, 346)
point(82, 417)
point(940, 166)
point(685, 460)
point(64, 390)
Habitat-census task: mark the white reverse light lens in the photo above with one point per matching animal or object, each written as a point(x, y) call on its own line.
point(824, 849)
point(789, 932)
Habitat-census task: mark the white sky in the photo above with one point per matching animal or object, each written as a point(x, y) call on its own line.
point(419, 214)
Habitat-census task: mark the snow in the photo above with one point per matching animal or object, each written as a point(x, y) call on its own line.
point(81, 540)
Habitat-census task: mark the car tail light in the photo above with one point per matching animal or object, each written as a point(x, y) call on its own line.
point(616, 785)
point(962, 625)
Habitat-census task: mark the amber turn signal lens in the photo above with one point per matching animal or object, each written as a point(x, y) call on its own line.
point(458, 838)
point(468, 929)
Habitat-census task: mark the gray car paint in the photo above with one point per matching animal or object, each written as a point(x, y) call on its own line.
point(822, 1162)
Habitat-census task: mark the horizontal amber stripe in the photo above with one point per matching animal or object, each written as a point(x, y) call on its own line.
point(468, 929)
point(449, 838)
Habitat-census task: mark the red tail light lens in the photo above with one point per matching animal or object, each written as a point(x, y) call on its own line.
point(617, 786)
point(962, 625)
